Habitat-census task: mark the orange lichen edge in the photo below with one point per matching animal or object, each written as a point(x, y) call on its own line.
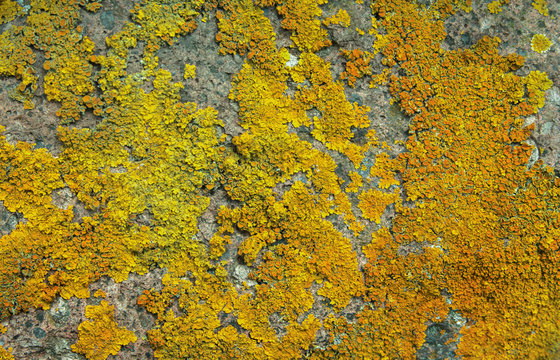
point(101, 337)
point(357, 65)
point(465, 169)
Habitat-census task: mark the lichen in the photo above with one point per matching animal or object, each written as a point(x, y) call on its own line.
point(190, 71)
point(541, 6)
point(5, 354)
point(540, 43)
point(300, 265)
point(101, 336)
point(341, 18)
point(9, 10)
point(373, 203)
point(495, 6)
point(357, 65)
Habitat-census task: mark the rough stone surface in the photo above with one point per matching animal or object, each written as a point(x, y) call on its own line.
point(48, 334)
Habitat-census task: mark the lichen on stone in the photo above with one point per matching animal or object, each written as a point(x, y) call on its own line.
point(540, 43)
point(101, 336)
point(324, 243)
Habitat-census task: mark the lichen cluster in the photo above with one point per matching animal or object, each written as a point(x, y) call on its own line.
point(474, 229)
point(101, 337)
point(540, 43)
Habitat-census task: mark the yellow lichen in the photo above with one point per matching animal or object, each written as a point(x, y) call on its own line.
point(537, 83)
point(341, 18)
point(541, 6)
point(5, 354)
point(101, 337)
point(100, 293)
point(540, 43)
point(356, 182)
point(301, 17)
point(190, 71)
point(9, 10)
point(495, 6)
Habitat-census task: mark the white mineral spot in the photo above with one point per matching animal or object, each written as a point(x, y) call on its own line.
point(534, 154)
point(294, 60)
point(554, 96)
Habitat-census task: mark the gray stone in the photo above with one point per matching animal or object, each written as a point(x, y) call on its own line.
point(8, 221)
point(39, 333)
point(30, 345)
point(466, 39)
point(60, 311)
point(241, 272)
point(57, 346)
point(355, 98)
point(62, 198)
point(107, 19)
point(553, 96)
point(546, 128)
point(230, 66)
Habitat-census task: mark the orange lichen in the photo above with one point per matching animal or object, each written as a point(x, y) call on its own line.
point(373, 203)
point(465, 170)
point(101, 337)
point(357, 65)
point(5, 354)
point(93, 6)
